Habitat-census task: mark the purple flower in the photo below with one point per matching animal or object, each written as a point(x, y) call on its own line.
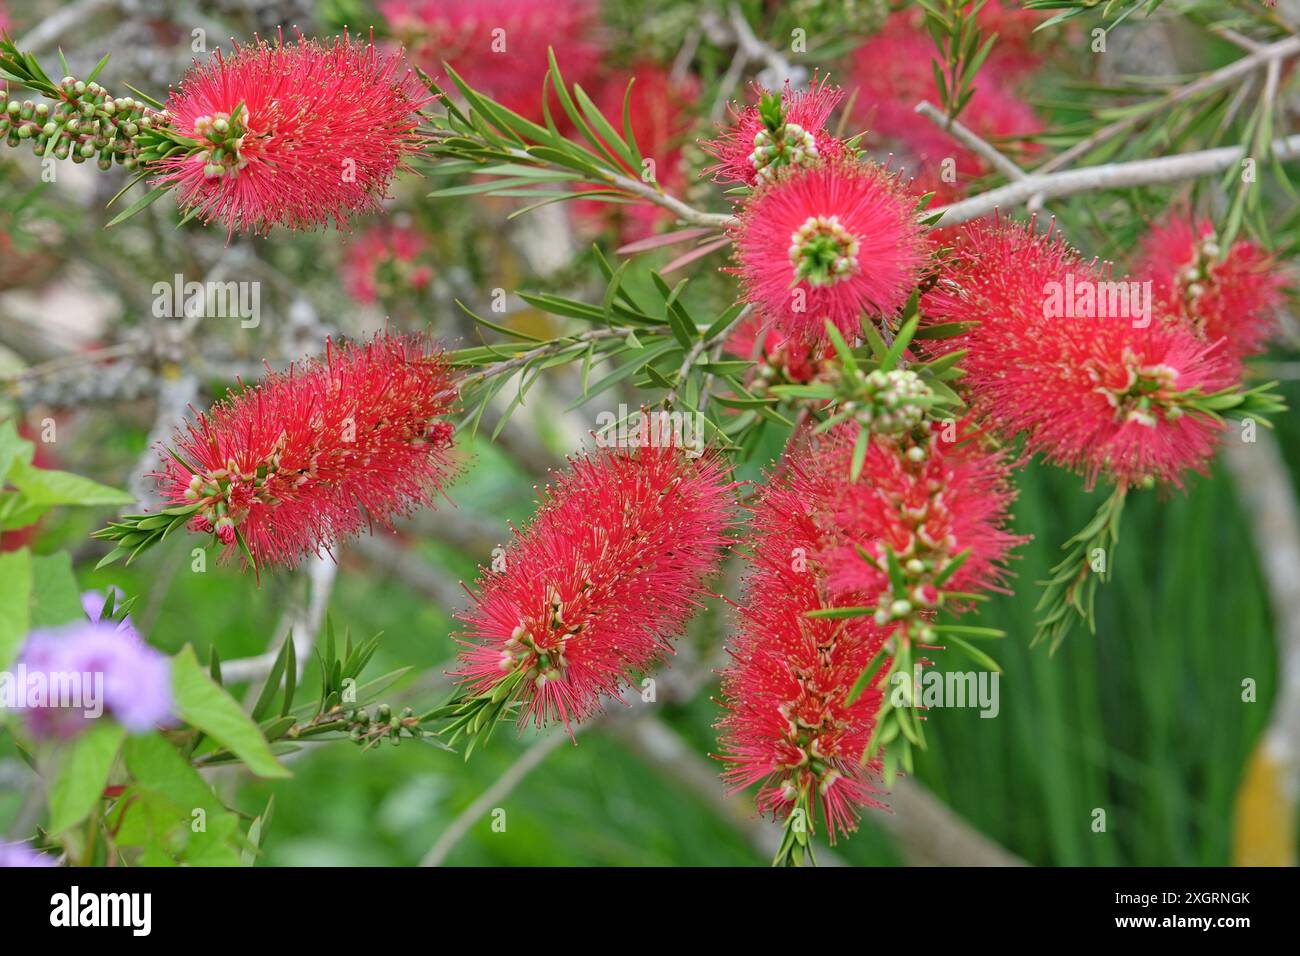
point(20, 854)
point(71, 674)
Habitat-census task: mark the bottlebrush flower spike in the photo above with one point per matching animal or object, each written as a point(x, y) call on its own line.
point(937, 498)
point(291, 134)
point(1228, 298)
point(792, 722)
point(776, 131)
point(1096, 393)
point(309, 456)
point(608, 571)
point(827, 242)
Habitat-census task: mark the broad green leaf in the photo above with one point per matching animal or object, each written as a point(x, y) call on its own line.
point(56, 598)
point(159, 812)
point(202, 704)
point(84, 773)
point(15, 603)
point(13, 448)
point(43, 486)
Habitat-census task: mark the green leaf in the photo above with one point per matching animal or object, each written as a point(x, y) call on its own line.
point(147, 199)
point(15, 603)
point(202, 704)
point(84, 774)
point(56, 597)
point(42, 486)
point(157, 813)
point(13, 448)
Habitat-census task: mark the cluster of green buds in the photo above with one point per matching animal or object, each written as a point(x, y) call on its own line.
point(367, 731)
point(1149, 392)
point(888, 403)
point(779, 143)
point(788, 145)
point(823, 252)
point(222, 138)
point(1194, 278)
point(85, 121)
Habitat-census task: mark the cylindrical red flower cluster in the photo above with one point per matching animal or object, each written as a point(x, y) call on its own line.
point(1098, 393)
point(789, 721)
point(609, 570)
point(292, 134)
point(315, 454)
point(928, 501)
point(828, 241)
point(1228, 297)
point(892, 72)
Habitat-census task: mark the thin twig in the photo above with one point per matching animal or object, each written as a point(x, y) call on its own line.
point(542, 351)
point(490, 798)
point(305, 624)
point(696, 350)
point(971, 140)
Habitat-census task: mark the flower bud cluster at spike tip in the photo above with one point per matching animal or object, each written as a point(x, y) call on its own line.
point(84, 122)
point(789, 723)
point(827, 242)
point(890, 402)
point(610, 569)
point(291, 134)
point(1229, 297)
point(317, 453)
point(776, 131)
point(1100, 394)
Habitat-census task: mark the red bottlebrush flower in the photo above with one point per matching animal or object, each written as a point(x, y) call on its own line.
point(1092, 391)
point(827, 242)
point(294, 134)
point(609, 570)
point(314, 454)
point(789, 723)
point(500, 46)
point(928, 501)
point(738, 147)
point(660, 112)
point(1229, 299)
point(892, 72)
point(386, 259)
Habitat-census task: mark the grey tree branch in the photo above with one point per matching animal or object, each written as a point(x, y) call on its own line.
point(1282, 49)
point(1141, 172)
